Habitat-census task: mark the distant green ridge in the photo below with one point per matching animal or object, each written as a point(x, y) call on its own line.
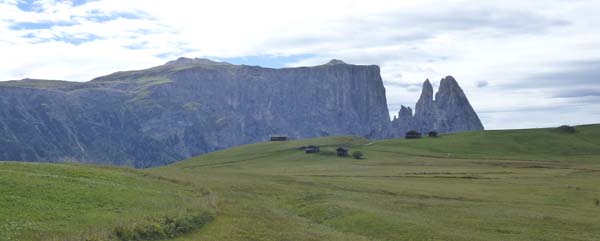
point(525, 144)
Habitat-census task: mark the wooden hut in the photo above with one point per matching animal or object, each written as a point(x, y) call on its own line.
point(413, 135)
point(278, 137)
point(342, 151)
point(312, 149)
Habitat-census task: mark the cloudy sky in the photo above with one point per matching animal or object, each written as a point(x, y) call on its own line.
point(521, 63)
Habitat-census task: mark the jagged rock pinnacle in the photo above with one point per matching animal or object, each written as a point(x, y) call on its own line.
point(449, 112)
point(427, 92)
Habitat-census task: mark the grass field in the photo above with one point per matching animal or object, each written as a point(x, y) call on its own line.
point(537, 184)
point(77, 202)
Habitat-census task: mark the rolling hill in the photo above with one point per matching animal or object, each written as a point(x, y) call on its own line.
point(78, 202)
point(536, 184)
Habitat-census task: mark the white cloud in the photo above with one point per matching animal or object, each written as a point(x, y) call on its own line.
point(501, 44)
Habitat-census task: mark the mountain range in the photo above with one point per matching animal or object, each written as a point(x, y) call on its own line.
point(188, 107)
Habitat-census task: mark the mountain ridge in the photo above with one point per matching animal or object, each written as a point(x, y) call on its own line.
point(187, 107)
point(174, 111)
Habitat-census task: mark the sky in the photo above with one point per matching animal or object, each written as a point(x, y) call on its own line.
point(522, 64)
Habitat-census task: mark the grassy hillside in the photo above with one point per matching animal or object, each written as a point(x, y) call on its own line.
point(507, 185)
point(74, 202)
point(528, 144)
point(537, 184)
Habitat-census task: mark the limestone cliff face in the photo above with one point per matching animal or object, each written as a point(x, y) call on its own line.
point(455, 113)
point(425, 109)
point(403, 122)
point(449, 112)
point(189, 107)
point(184, 108)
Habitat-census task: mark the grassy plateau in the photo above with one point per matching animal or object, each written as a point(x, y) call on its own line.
point(535, 184)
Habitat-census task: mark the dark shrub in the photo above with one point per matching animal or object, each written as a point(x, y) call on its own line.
point(433, 134)
point(162, 228)
point(357, 154)
point(566, 129)
point(413, 135)
point(597, 202)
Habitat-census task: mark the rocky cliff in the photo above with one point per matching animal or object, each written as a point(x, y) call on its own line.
point(188, 107)
point(184, 108)
point(449, 112)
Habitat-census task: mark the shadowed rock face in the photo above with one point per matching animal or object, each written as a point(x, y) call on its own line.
point(404, 121)
point(189, 107)
point(449, 112)
point(185, 108)
point(425, 109)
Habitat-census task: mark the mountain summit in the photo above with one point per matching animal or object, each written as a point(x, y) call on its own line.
point(335, 62)
point(195, 61)
point(449, 112)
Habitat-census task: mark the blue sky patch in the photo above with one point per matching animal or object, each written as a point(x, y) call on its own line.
point(38, 25)
point(136, 46)
point(33, 6)
point(270, 61)
point(75, 40)
point(99, 17)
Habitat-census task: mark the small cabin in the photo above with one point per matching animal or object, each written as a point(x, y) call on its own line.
point(342, 152)
point(413, 135)
point(312, 149)
point(566, 129)
point(278, 137)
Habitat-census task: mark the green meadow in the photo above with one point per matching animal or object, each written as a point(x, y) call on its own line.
point(78, 202)
point(535, 184)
